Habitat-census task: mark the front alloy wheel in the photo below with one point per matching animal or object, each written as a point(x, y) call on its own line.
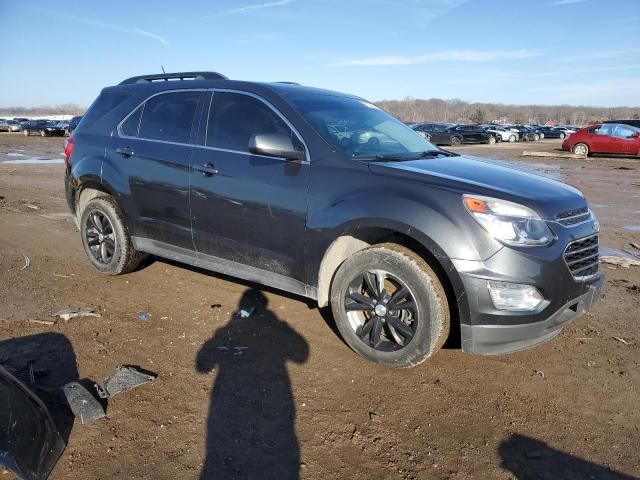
point(390, 306)
point(381, 310)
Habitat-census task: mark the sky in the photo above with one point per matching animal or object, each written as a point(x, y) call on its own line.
point(579, 52)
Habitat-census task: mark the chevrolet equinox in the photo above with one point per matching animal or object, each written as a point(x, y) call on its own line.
point(327, 196)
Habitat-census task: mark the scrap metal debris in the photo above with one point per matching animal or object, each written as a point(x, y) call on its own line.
point(126, 378)
point(69, 313)
point(621, 261)
point(27, 262)
point(540, 373)
point(43, 322)
point(635, 245)
point(622, 340)
point(82, 403)
point(247, 312)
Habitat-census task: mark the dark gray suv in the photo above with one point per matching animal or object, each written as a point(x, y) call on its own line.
point(325, 195)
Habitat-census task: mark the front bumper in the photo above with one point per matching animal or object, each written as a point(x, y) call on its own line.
point(504, 338)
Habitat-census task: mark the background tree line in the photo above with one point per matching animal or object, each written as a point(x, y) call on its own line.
point(459, 111)
point(434, 110)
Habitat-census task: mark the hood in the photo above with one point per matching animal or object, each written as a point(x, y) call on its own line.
point(469, 174)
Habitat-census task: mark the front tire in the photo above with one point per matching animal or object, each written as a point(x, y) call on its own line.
point(536, 137)
point(581, 149)
point(390, 306)
point(455, 141)
point(105, 238)
point(562, 135)
point(512, 138)
point(492, 140)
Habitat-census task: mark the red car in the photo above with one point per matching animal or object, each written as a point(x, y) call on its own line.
point(615, 138)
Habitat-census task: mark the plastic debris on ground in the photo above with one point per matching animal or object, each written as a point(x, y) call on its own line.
point(27, 262)
point(82, 403)
point(620, 261)
point(69, 313)
point(247, 312)
point(125, 378)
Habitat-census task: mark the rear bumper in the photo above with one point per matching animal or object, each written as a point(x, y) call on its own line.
point(499, 339)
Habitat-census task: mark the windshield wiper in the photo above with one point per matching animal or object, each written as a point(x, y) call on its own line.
point(435, 153)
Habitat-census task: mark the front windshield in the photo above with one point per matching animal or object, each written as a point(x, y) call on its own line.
point(358, 128)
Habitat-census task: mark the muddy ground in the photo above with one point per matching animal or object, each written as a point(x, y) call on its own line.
point(297, 401)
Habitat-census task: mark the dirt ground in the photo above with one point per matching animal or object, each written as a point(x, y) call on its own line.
point(296, 402)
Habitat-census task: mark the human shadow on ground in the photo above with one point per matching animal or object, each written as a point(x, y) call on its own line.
point(251, 422)
point(531, 459)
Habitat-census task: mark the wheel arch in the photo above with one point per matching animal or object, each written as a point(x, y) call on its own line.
point(347, 244)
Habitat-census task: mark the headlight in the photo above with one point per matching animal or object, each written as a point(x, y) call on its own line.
point(508, 222)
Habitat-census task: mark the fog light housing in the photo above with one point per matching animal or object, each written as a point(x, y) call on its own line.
point(516, 297)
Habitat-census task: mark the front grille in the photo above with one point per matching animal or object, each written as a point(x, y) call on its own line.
point(582, 257)
point(573, 217)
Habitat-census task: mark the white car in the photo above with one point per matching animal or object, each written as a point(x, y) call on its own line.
point(505, 135)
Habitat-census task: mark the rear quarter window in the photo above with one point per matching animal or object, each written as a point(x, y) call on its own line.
point(100, 107)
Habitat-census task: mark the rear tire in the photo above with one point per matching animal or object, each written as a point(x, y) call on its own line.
point(512, 138)
point(492, 140)
point(455, 141)
point(25, 132)
point(536, 137)
point(416, 317)
point(43, 133)
point(105, 238)
point(581, 149)
point(562, 136)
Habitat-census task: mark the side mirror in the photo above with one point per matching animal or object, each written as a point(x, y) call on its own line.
point(635, 135)
point(274, 145)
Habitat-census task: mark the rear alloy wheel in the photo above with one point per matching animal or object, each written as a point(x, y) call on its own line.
point(492, 140)
point(105, 238)
point(581, 149)
point(43, 133)
point(390, 306)
point(536, 137)
point(562, 136)
point(512, 138)
point(455, 141)
point(25, 132)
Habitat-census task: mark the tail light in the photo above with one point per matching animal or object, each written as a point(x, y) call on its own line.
point(69, 143)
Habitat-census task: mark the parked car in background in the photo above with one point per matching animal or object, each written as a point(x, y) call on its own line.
point(404, 241)
point(501, 134)
point(538, 133)
point(472, 134)
point(14, 126)
point(633, 123)
point(21, 119)
point(552, 132)
point(438, 134)
point(524, 134)
point(614, 138)
point(44, 128)
point(73, 123)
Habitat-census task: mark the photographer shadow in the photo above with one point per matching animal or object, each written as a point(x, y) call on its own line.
point(251, 423)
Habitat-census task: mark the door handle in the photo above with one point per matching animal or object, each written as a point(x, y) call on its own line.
point(207, 170)
point(124, 151)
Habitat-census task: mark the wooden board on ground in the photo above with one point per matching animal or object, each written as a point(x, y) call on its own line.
point(553, 154)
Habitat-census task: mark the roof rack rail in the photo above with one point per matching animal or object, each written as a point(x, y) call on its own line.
point(174, 76)
point(289, 83)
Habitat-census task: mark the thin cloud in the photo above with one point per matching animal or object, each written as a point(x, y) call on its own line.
point(257, 6)
point(567, 2)
point(445, 56)
point(98, 23)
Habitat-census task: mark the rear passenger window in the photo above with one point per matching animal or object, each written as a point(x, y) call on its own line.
point(131, 125)
point(169, 117)
point(235, 117)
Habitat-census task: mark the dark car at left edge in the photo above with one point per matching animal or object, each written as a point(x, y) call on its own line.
point(44, 128)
